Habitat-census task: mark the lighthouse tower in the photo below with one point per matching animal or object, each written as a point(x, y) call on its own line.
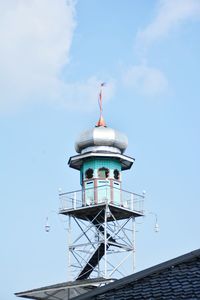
point(101, 214)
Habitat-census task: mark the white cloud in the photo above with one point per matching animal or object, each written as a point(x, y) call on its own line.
point(145, 80)
point(35, 41)
point(170, 14)
point(36, 38)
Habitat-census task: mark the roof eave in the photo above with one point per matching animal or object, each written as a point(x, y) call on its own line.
point(76, 161)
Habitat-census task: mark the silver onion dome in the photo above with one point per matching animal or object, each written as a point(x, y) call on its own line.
point(101, 139)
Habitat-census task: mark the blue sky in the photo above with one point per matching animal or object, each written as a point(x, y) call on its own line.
point(53, 56)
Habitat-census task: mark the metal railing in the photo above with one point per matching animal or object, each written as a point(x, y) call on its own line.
point(101, 195)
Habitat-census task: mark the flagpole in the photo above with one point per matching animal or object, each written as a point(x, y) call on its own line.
point(101, 121)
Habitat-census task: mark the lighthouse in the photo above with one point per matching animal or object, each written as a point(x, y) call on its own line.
point(101, 214)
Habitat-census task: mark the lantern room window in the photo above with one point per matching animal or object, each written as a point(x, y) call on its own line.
point(89, 173)
point(103, 173)
point(116, 174)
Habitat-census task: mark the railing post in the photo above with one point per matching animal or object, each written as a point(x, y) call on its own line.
point(132, 202)
point(74, 200)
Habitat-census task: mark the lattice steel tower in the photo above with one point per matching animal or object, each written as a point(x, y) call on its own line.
point(101, 216)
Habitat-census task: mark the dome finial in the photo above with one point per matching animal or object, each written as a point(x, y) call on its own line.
point(101, 121)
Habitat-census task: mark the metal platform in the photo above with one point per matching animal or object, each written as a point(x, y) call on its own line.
point(82, 205)
point(89, 212)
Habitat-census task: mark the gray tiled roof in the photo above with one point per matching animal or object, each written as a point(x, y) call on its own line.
point(178, 278)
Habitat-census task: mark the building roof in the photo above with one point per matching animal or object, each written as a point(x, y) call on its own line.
point(63, 291)
point(178, 278)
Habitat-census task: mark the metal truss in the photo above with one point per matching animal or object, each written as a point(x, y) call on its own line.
point(99, 246)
